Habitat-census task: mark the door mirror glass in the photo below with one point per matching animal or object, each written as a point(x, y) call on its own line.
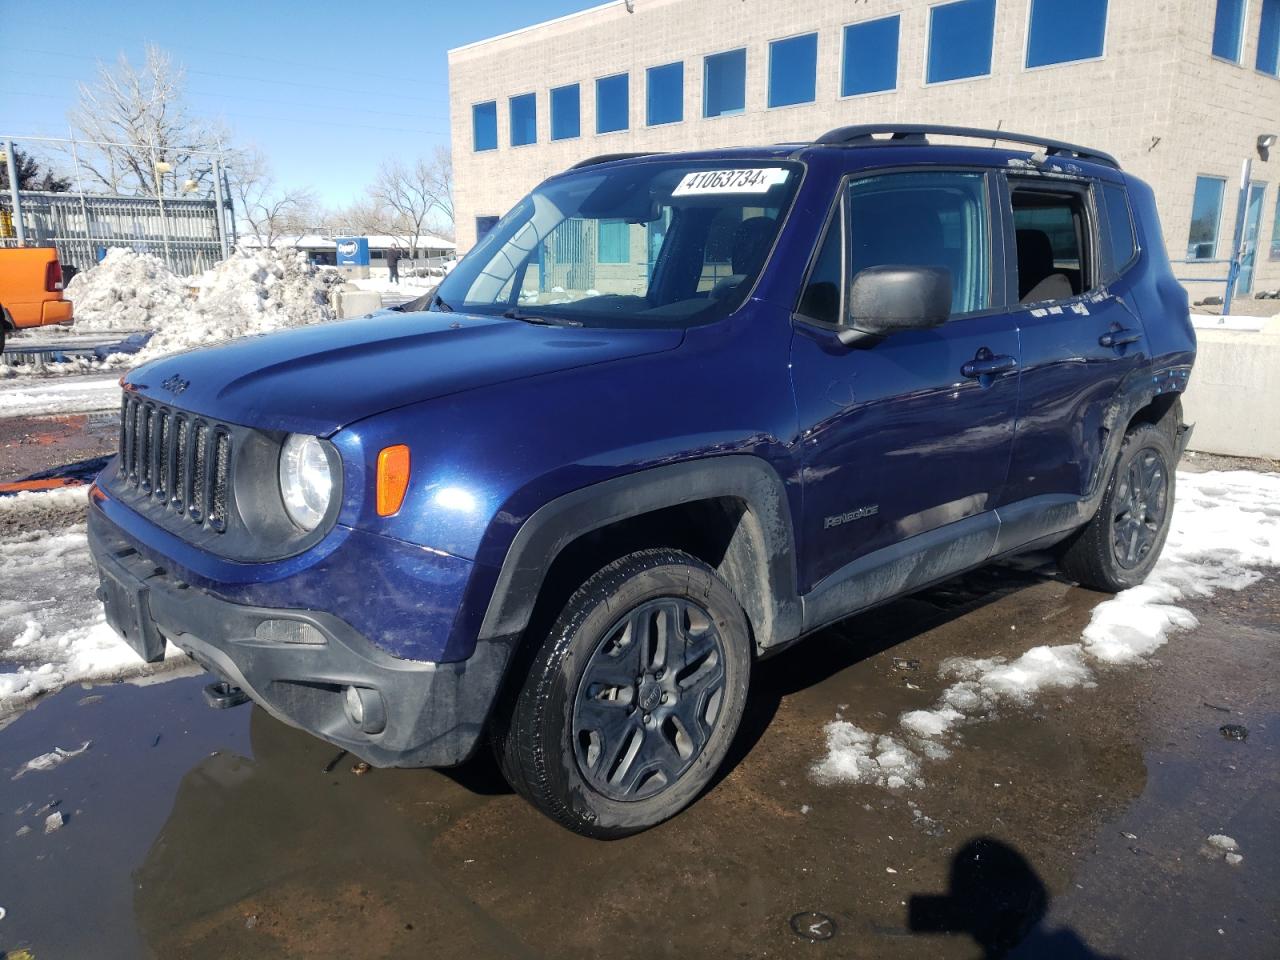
point(888, 299)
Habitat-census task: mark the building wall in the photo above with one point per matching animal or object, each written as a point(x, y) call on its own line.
point(1157, 98)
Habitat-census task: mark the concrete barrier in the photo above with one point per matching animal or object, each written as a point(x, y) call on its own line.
point(350, 302)
point(1234, 394)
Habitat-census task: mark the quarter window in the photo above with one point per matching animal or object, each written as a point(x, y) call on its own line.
point(566, 112)
point(960, 39)
point(1065, 30)
point(925, 220)
point(1228, 29)
point(870, 56)
point(724, 83)
point(793, 70)
point(612, 103)
point(1206, 215)
point(524, 120)
point(666, 94)
point(1269, 38)
point(484, 126)
point(1119, 226)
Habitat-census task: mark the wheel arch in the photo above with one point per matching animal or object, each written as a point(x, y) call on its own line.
point(731, 512)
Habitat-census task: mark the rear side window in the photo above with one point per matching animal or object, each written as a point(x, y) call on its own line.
point(925, 220)
point(1124, 247)
point(1053, 245)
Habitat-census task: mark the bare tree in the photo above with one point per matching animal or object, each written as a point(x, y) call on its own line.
point(413, 199)
point(268, 210)
point(143, 111)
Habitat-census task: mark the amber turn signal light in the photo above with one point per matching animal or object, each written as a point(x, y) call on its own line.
point(393, 478)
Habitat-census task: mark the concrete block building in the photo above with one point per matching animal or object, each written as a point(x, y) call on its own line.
point(1181, 91)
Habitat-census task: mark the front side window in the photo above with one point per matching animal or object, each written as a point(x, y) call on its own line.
point(484, 126)
point(613, 95)
point(1206, 215)
point(724, 83)
point(1228, 29)
point(1052, 235)
point(524, 120)
point(960, 39)
point(1269, 38)
point(925, 220)
point(661, 243)
point(1065, 30)
point(665, 102)
point(793, 70)
point(566, 112)
point(870, 62)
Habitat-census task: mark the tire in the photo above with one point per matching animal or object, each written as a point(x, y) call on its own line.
point(1118, 547)
point(632, 700)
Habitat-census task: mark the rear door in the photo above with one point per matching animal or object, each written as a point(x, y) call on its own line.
point(1080, 337)
point(910, 436)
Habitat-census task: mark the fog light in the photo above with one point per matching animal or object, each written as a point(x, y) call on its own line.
point(288, 631)
point(364, 709)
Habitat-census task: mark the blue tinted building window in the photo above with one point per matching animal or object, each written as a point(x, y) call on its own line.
point(960, 38)
point(524, 120)
point(870, 56)
point(724, 83)
point(613, 243)
point(484, 126)
point(1228, 29)
point(1066, 30)
point(566, 112)
point(1206, 215)
point(612, 103)
point(665, 96)
point(793, 70)
point(484, 225)
point(1269, 38)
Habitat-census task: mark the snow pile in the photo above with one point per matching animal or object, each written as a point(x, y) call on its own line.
point(51, 623)
point(126, 291)
point(1225, 527)
point(251, 292)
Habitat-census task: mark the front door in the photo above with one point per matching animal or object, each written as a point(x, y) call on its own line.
point(906, 437)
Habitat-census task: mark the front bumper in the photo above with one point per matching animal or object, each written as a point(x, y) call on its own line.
point(435, 713)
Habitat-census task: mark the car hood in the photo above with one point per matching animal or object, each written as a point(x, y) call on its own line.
point(319, 379)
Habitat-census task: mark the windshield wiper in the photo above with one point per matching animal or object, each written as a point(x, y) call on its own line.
point(438, 302)
point(514, 314)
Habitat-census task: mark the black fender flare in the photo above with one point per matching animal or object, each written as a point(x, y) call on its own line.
point(552, 527)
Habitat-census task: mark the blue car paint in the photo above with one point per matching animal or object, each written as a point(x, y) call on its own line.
point(502, 418)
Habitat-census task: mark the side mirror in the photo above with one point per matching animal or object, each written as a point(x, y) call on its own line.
point(889, 299)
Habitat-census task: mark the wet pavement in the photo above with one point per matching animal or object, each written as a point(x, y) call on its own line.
point(1074, 828)
point(32, 445)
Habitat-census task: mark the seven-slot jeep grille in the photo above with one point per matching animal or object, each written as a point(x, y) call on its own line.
point(181, 462)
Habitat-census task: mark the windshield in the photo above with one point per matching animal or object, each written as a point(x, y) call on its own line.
point(653, 244)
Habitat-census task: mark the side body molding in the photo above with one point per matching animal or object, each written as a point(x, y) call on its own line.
point(765, 536)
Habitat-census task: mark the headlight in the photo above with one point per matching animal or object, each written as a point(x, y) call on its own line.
point(306, 482)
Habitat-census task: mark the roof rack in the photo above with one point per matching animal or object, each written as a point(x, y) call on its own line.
point(862, 135)
point(607, 157)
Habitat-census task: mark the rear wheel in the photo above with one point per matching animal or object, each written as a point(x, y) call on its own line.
point(1121, 544)
point(633, 699)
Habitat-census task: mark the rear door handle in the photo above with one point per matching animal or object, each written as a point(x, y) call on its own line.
point(1118, 338)
point(988, 365)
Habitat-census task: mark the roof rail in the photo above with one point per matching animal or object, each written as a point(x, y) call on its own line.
point(607, 157)
point(896, 134)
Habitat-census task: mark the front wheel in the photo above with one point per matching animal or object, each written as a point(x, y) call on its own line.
point(633, 699)
point(1121, 544)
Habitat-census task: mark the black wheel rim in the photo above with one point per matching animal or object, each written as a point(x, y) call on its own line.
point(649, 698)
point(1139, 508)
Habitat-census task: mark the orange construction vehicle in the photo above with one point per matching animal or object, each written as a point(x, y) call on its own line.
point(30, 289)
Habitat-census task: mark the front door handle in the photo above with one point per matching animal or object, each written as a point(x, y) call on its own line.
point(1118, 338)
point(986, 364)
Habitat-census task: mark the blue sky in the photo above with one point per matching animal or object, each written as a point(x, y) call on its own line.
point(326, 89)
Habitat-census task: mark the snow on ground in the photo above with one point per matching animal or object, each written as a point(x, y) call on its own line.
point(1225, 528)
point(28, 397)
point(52, 629)
point(408, 287)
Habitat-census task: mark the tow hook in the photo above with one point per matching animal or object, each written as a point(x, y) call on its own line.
point(223, 696)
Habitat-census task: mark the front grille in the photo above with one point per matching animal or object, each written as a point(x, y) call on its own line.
point(180, 462)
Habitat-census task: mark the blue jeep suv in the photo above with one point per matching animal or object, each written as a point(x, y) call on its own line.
point(673, 413)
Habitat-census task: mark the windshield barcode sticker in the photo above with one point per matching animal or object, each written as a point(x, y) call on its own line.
point(752, 180)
